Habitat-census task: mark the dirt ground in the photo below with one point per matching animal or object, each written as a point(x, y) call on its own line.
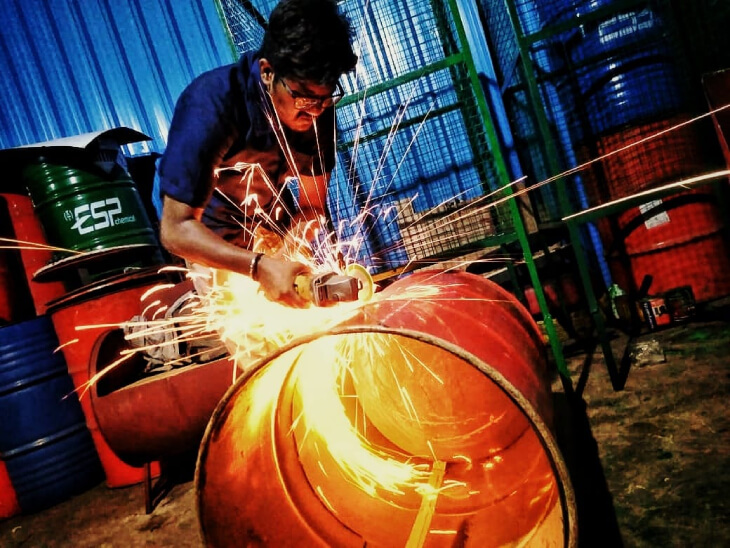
point(650, 464)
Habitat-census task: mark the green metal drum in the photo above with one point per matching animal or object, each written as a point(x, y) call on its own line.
point(82, 208)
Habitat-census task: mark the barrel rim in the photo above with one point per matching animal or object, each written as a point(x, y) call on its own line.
point(104, 286)
point(58, 270)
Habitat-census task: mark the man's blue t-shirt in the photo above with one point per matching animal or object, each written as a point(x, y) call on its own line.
point(224, 154)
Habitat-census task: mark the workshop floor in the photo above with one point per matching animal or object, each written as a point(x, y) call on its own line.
point(650, 463)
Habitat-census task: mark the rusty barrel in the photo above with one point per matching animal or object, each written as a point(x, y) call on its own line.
point(425, 421)
point(154, 417)
point(679, 241)
point(82, 318)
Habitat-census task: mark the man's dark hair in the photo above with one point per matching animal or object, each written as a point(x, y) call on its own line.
point(309, 40)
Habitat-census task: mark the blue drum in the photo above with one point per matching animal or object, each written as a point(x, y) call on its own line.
point(44, 441)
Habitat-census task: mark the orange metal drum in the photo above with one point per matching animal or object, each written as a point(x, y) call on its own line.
point(443, 377)
point(679, 241)
point(639, 161)
point(159, 416)
point(106, 304)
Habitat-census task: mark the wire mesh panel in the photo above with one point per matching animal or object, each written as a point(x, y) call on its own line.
point(618, 98)
point(245, 24)
point(546, 62)
point(602, 68)
point(414, 138)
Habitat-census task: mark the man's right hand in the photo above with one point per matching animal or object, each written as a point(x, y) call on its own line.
point(276, 277)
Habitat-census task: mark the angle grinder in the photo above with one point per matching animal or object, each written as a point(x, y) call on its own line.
point(330, 288)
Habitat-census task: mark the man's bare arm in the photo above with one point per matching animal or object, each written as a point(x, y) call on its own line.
point(183, 234)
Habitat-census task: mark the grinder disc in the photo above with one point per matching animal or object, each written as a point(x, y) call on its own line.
point(367, 285)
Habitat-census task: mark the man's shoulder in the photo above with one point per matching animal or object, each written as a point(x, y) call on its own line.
point(222, 85)
point(212, 82)
point(221, 75)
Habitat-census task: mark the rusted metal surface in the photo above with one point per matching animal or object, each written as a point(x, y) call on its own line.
point(158, 416)
point(81, 318)
point(478, 403)
point(135, 419)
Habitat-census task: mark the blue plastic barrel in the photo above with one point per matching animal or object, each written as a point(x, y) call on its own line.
point(630, 89)
point(617, 32)
point(626, 69)
point(44, 440)
point(536, 15)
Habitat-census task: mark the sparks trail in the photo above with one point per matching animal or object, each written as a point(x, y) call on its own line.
point(191, 327)
point(684, 183)
point(34, 246)
point(619, 150)
point(253, 327)
point(438, 233)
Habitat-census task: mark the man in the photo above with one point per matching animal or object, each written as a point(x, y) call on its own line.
point(251, 148)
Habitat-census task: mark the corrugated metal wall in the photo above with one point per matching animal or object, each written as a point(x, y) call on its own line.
point(75, 66)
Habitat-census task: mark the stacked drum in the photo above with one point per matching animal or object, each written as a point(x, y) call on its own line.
point(46, 452)
point(75, 223)
point(44, 441)
point(627, 100)
point(637, 105)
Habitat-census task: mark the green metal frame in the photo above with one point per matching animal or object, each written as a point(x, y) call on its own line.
point(501, 166)
point(572, 220)
point(523, 43)
point(465, 60)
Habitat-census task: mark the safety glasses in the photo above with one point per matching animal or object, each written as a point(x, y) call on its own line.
point(306, 102)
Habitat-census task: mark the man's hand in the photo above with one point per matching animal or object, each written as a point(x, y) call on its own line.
point(277, 276)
